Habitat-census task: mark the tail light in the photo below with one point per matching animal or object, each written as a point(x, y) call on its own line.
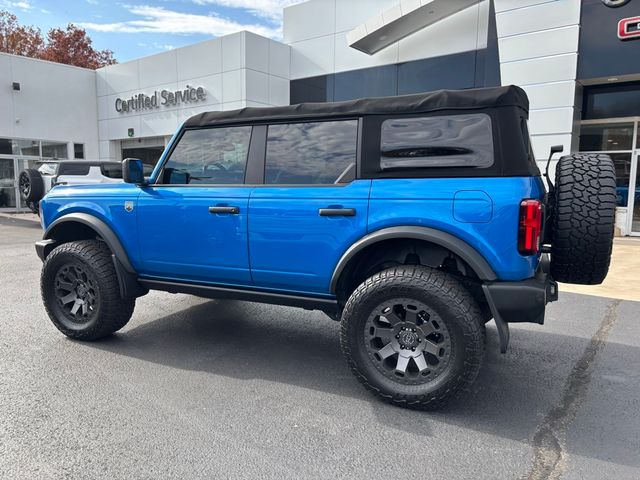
point(530, 227)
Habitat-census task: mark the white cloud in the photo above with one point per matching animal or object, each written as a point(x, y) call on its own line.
point(22, 5)
point(271, 9)
point(160, 20)
point(45, 11)
point(92, 2)
point(156, 45)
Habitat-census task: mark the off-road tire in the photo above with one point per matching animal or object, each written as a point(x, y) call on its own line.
point(31, 185)
point(111, 312)
point(583, 218)
point(454, 306)
point(33, 206)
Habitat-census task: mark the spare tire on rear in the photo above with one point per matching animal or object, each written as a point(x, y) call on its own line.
point(31, 185)
point(583, 206)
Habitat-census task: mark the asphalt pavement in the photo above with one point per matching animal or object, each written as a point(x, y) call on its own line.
point(193, 388)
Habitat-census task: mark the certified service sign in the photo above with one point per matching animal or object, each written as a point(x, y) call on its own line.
point(629, 28)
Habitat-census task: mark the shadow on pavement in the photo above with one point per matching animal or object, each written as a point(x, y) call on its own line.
point(245, 341)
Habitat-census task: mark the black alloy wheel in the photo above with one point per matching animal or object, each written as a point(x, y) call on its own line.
point(407, 341)
point(81, 291)
point(77, 293)
point(24, 185)
point(414, 336)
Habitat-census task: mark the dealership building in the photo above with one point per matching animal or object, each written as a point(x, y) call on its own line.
point(577, 61)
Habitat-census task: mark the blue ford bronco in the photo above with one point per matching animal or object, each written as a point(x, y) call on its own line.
point(412, 220)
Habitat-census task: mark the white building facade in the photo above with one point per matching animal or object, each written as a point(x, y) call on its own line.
point(570, 56)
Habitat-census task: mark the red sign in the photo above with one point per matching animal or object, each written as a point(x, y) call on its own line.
point(629, 28)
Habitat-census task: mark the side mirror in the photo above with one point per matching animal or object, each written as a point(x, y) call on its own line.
point(133, 171)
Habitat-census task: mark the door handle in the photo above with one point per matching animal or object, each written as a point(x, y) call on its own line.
point(225, 209)
point(337, 212)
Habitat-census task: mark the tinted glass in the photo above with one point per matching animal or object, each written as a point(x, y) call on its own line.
point(78, 150)
point(111, 170)
point(73, 169)
point(27, 147)
point(311, 153)
point(455, 71)
point(608, 136)
point(312, 89)
point(611, 101)
point(461, 70)
point(5, 146)
point(209, 156)
point(622, 162)
point(148, 155)
point(54, 150)
point(448, 141)
point(370, 82)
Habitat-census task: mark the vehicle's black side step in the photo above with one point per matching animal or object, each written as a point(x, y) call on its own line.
point(310, 303)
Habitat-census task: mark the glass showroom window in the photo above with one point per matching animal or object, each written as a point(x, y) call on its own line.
point(23, 147)
point(54, 150)
point(616, 140)
point(78, 151)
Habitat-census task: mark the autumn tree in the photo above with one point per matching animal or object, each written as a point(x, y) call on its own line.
point(71, 46)
point(19, 40)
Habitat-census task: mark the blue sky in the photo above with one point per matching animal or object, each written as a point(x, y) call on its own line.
point(136, 28)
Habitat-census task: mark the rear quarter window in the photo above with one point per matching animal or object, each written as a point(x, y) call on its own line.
point(111, 170)
point(441, 141)
point(73, 169)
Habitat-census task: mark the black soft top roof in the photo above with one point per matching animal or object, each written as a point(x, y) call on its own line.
point(477, 98)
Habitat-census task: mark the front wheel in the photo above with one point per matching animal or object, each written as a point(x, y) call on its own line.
point(414, 336)
point(81, 293)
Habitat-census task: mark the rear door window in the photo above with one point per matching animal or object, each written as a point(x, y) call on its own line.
point(442, 141)
point(311, 153)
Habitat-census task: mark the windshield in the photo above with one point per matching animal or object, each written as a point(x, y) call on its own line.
point(48, 168)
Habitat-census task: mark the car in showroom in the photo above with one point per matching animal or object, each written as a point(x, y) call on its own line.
point(412, 220)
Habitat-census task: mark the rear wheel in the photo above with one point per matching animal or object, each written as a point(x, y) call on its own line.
point(414, 336)
point(583, 218)
point(81, 293)
point(31, 185)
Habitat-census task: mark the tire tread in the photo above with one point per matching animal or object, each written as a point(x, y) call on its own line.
point(115, 311)
point(451, 292)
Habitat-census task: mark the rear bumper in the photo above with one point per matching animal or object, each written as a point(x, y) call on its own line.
point(523, 301)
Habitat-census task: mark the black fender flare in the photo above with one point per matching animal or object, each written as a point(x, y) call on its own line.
point(100, 227)
point(127, 275)
point(461, 248)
